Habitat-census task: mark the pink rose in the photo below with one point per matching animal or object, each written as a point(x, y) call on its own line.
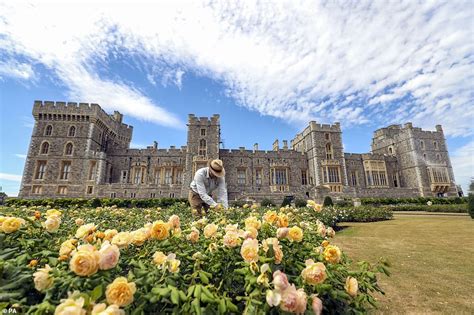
point(301, 301)
point(289, 299)
point(280, 281)
point(317, 305)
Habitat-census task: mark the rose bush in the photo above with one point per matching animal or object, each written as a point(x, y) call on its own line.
point(153, 260)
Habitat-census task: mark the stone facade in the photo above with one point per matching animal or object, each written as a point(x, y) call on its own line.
point(78, 150)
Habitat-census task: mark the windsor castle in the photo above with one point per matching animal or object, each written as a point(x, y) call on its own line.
point(78, 150)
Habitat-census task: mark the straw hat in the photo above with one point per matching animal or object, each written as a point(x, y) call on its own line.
point(216, 167)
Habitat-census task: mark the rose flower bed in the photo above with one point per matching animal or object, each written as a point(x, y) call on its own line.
point(110, 260)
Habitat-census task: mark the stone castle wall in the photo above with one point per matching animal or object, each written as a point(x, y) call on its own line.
point(102, 164)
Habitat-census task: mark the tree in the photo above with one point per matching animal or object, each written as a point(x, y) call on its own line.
point(470, 198)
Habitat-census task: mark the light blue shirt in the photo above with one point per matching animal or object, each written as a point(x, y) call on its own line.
point(204, 185)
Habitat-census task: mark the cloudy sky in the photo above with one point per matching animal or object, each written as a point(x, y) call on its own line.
point(266, 67)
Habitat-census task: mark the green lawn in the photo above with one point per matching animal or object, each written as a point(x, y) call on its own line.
point(432, 259)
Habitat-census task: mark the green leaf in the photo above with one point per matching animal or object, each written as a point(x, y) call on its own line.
point(97, 292)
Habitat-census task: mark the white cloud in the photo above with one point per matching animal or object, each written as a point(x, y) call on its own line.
point(462, 161)
point(10, 177)
point(298, 60)
point(17, 70)
point(20, 156)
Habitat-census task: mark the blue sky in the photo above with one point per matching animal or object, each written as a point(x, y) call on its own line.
point(266, 68)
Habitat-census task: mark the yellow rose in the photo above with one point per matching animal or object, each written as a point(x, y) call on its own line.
point(79, 221)
point(160, 230)
point(254, 206)
point(193, 236)
point(231, 239)
point(351, 286)
point(270, 217)
point(314, 273)
point(332, 254)
point(71, 306)
point(173, 263)
point(85, 261)
point(109, 234)
point(159, 258)
point(67, 247)
point(325, 243)
point(84, 230)
point(282, 220)
point(52, 224)
point(174, 221)
point(53, 212)
point(251, 233)
point(210, 230)
point(249, 250)
point(109, 256)
point(295, 234)
point(252, 222)
point(42, 279)
point(122, 239)
point(102, 309)
point(120, 292)
point(11, 224)
point(139, 236)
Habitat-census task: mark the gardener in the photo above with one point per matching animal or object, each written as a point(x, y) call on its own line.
point(206, 180)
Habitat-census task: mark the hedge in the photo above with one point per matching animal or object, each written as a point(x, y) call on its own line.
point(95, 202)
point(419, 201)
point(452, 208)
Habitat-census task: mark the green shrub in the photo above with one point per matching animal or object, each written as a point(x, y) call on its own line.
point(418, 201)
point(451, 208)
point(286, 201)
point(300, 203)
point(267, 203)
point(95, 202)
point(327, 201)
point(471, 205)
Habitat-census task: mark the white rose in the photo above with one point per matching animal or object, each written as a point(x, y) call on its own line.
point(109, 256)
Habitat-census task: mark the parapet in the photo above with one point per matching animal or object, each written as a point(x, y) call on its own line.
point(193, 120)
point(336, 127)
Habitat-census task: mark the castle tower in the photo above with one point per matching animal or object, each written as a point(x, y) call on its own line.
point(323, 146)
point(422, 157)
point(202, 145)
point(67, 153)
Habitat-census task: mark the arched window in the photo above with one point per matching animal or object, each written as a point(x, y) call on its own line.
point(390, 150)
point(202, 147)
point(48, 130)
point(44, 148)
point(72, 131)
point(424, 156)
point(68, 149)
point(435, 144)
point(438, 157)
point(422, 144)
point(328, 151)
point(326, 136)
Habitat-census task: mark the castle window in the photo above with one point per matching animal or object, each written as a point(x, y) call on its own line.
point(331, 174)
point(48, 131)
point(90, 190)
point(326, 136)
point(62, 190)
point(328, 151)
point(44, 148)
point(36, 189)
point(113, 195)
point(123, 176)
point(390, 150)
point(424, 156)
point(203, 132)
point(258, 177)
point(304, 177)
point(168, 176)
point(438, 157)
point(279, 176)
point(179, 175)
point(92, 170)
point(72, 131)
point(395, 180)
point(241, 177)
point(40, 170)
point(438, 174)
point(354, 178)
point(435, 144)
point(65, 170)
point(68, 150)
point(202, 147)
point(376, 173)
point(422, 144)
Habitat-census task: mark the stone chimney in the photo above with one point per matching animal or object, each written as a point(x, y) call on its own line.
point(255, 147)
point(155, 145)
point(439, 128)
point(275, 145)
point(117, 116)
point(285, 144)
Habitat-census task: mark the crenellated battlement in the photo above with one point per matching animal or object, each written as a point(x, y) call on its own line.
point(393, 130)
point(193, 120)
